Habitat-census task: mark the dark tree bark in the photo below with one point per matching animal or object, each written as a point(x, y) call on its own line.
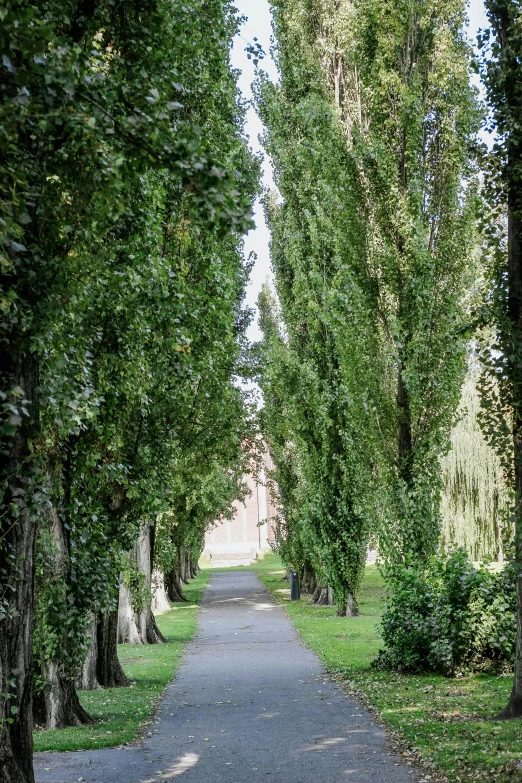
point(109, 672)
point(17, 531)
point(173, 587)
point(183, 563)
point(514, 706)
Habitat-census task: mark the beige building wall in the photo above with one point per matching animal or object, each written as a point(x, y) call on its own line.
point(251, 528)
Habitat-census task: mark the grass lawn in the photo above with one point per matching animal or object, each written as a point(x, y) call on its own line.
point(445, 722)
point(119, 712)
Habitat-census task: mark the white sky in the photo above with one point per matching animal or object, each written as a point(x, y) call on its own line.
point(258, 25)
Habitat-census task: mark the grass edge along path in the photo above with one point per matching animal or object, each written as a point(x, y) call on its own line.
point(119, 713)
point(442, 723)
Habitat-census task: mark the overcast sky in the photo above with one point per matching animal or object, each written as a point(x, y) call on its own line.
point(258, 25)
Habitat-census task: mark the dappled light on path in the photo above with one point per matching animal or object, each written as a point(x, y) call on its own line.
point(325, 744)
point(184, 763)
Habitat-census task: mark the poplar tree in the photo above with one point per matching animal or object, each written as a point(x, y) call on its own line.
point(370, 131)
point(502, 44)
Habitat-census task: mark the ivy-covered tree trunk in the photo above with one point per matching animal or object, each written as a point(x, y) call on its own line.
point(62, 706)
point(136, 623)
point(19, 506)
point(514, 707)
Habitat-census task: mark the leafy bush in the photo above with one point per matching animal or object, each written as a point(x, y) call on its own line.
point(444, 615)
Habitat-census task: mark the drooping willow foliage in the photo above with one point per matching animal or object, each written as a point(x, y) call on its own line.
point(475, 500)
point(369, 130)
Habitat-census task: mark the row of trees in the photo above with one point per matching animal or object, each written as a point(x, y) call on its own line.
point(125, 185)
point(396, 248)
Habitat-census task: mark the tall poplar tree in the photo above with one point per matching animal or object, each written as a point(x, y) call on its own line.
point(370, 131)
point(321, 366)
point(503, 230)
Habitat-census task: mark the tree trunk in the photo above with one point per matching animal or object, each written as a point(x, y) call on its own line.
point(174, 588)
point(136, 623)
point(128, 632)
point(405, 450)
point(160, 601)
point(62, 704)
point(109, 672)
point(17, 530)
point(504, 18)
point(323, 596)
point(349, 608)
point(88, 680)
point(308, 581)
point(182, 560)
point(514, 706)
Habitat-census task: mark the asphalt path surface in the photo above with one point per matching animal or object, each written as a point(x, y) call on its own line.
point(250, 703)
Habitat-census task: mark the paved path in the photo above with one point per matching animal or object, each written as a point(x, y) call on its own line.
point(250, 704)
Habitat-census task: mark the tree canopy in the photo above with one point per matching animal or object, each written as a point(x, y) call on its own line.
point(390, 359)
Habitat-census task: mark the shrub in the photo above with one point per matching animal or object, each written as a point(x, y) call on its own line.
point(445, 615)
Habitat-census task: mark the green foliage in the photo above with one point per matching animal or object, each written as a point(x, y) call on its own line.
point(125, 185)
point(501, 388)
point(475, 500)
point(443, 725)
point(135, 581)
point(447, 616)
point(370, 132)
point(502, 226)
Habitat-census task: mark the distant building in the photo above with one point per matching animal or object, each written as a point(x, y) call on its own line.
point(251, 529)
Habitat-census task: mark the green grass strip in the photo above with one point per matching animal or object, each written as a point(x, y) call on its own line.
point(446, 722)
point(120, 712)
